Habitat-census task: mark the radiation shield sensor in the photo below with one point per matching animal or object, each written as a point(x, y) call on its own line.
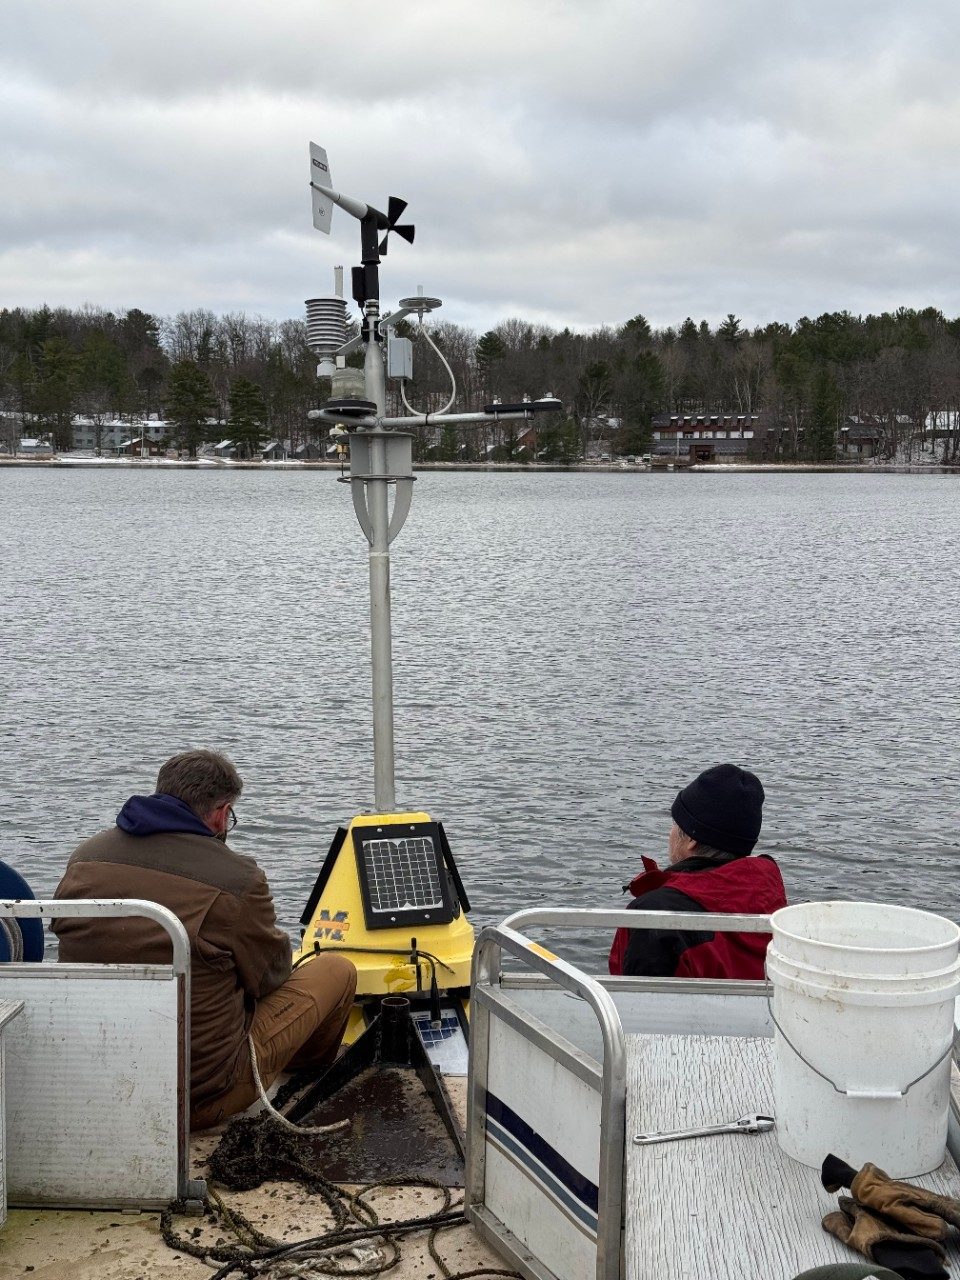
point(403, 875)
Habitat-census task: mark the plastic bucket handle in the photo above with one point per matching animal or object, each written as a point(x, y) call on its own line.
point(814, 974)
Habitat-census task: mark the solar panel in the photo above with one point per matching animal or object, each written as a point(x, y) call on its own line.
point(402, 875)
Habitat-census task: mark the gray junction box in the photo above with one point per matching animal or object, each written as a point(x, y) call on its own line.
point(399, 357)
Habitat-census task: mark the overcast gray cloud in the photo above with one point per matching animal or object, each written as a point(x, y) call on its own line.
point(572, 161)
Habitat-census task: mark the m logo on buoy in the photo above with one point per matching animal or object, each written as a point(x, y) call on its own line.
point(333, 926)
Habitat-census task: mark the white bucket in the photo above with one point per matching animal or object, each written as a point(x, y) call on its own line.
point(863, 1001)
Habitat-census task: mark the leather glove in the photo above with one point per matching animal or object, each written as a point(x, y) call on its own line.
point(916, 1210)
point(911, 1256)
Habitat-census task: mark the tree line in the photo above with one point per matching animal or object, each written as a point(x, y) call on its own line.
point(202, 372)
point(253, 380)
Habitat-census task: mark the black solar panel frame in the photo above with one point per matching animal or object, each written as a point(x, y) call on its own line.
point(374, 919)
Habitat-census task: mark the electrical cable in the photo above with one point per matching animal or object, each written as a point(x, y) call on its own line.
point(319, 1245)
point(254, 1149)
point(374, 951)
point(379, 951)
point(403, 394)
point(308, 955)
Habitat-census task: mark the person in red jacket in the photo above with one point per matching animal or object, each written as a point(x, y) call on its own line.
point(716, 824)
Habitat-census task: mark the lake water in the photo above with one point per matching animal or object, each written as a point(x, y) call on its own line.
point(569, 650)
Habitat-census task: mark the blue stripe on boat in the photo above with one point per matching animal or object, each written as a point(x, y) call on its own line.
point(579, 1215)
point(543, 1162)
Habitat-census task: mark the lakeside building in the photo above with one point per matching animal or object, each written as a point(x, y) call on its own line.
point(29, 447)
point(312, 451)
point(705, 437)
point(223, 449)
point(686, 439)
point(860, 437)
point(138, 447)
point(112, 435)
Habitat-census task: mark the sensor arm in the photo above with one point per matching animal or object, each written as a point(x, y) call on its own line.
point(356, 207)
point(389, 321)
point(489, 414)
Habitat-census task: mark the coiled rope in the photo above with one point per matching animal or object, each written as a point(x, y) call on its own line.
point(278, 1117)
point(255, 1149)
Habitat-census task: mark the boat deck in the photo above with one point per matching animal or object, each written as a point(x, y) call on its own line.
point(717, 1207)
point(728, 1206)
point(84, 1245)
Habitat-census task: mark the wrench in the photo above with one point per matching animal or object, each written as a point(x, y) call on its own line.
point(746, 1124)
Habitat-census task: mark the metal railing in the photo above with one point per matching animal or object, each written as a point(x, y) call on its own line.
point(624, 918)
point(487, 973)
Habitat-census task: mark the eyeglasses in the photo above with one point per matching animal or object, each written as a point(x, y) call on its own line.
point(233, 818)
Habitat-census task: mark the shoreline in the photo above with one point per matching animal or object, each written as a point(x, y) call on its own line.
point(756, 468)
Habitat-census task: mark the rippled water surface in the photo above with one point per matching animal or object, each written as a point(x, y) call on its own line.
point(569, 650)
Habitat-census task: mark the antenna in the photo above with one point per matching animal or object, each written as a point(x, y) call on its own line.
point(419, 306)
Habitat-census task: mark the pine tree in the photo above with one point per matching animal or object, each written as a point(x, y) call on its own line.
point(560, 442)
point(189, 402)
point(247, 415)
point(490, 350)
point(639, 388)
point(731, 331)
point(448, 449)
point(21, 381)
point(57, 391)
point(824, 417)
point(637, 331)
point(104, 382)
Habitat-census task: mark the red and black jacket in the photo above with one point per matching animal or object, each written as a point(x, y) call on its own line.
point(738, 886)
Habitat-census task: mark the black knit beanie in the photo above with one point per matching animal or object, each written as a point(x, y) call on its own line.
point(721, 808)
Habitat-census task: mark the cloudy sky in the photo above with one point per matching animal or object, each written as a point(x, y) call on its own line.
point(570, 161)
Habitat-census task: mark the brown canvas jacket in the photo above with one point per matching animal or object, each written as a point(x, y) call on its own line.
point(237, 952)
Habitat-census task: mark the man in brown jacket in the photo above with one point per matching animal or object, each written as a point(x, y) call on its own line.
point(170, 848)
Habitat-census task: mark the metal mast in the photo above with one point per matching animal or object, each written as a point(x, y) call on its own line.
point(381, 448)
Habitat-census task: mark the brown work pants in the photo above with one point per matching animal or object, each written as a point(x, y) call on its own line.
point(299, 1025)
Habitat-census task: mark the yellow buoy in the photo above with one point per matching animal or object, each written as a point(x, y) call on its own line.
point(389, 879)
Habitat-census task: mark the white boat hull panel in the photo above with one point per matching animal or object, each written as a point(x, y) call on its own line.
point(541, 1142)
point(92, 1085)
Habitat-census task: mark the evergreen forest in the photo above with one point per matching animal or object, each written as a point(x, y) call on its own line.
point(208, 376)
